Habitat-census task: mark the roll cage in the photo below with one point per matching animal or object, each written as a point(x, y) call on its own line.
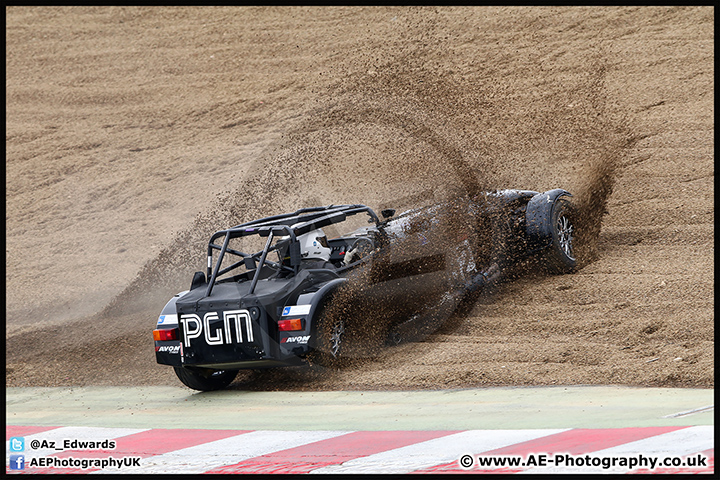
point(290, 225)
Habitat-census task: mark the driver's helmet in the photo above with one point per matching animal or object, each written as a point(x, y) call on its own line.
point(314, 246)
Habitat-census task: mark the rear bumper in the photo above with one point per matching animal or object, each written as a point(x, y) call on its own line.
point(169, 353)
point(234, 340)
point(250, 364)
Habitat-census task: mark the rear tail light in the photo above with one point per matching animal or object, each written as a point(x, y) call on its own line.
point(290, 325)
point(165, 334)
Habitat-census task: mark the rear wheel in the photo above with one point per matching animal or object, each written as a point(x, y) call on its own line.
point(330, 346)
point(560, 257)
point(330, 335)
point(205, 379)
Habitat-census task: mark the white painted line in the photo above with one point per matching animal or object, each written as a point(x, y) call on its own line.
point(447, 449)
point(707, 408)
point(677, 443)
point(436, 451)
point(228, 451)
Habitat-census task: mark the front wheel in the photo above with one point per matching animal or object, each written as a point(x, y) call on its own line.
point(205, 379)
point(560, 257)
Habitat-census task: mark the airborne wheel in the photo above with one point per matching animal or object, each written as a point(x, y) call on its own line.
point(560, 257)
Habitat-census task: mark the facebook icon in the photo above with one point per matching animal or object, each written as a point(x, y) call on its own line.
point(17, 462)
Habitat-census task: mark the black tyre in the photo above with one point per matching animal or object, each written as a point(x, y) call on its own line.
point(330, 334)
point(205, 379)
point(560, 257)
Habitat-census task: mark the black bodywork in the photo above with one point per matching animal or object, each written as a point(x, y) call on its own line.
point(236, 313)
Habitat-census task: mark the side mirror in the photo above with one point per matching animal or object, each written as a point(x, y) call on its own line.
point(387, 213)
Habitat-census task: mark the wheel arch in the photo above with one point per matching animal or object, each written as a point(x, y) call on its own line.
point(318, 298)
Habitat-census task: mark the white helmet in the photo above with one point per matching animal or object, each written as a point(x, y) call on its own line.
point(314, 246)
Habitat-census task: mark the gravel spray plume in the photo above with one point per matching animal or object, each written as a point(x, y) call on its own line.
point(605, 138)
point(382, 151)
point(403, 138)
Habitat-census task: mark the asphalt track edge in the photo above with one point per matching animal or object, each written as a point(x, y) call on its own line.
point(459, 409)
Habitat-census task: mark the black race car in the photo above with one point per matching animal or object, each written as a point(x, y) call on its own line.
point(303, 297)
